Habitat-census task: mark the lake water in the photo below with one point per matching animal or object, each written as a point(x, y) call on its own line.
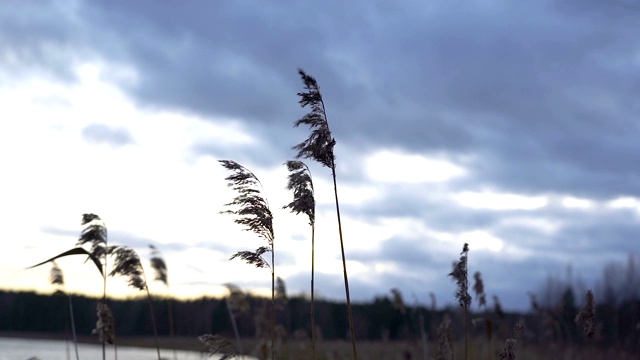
point(32, 349)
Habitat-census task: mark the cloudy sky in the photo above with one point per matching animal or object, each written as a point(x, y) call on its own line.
point(509, 126)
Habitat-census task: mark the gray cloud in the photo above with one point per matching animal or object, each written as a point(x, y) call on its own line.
point(104, 134)
point(540, 96)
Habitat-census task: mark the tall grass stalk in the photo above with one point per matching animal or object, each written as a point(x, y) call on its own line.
point(236, 301)
point(57, 278)
point(319, 146)
point(127, 263)
point(161, 274)
point(300, 182)
point(95, 233)
point(460, 274)
point(253, 212)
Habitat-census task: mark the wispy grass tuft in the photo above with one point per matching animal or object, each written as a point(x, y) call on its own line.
point(319, 146)
point(252, 211)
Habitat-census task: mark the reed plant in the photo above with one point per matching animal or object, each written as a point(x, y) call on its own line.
point(460, 274)
point(161, 274)
point(319, 147)
point(252, 211)
point(236, 302)
point(301, 183)
point(127, 263)
point(56, 278)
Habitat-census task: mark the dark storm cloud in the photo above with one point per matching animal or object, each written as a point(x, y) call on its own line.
point(543, 95)
point(105, 134)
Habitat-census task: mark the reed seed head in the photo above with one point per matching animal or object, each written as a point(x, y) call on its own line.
point(587, 315)
point(215, 344)
point(106, 324)
point(55, 276)
point(478, 288)
point(252, 210)
point(253, 257)
point(281, 293)
point(237, 300)
point(250, 206)
point(302, 185)
point(398, 301)
point(127, 263)
point(509, 350)
point(95, 233)
point(159, 266)
point(445, 349)
point(319, 145)
point(460, 275)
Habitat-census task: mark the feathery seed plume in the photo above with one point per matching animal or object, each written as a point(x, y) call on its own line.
point(252, 210)
point(587, 315)
point(55, 276)
point(460, 275)
point(215, 344)
point(319, 146)
point(509, 352)
point(127, 263)
point(95, 233)
point(106, 324)
point(159, 266)
point(478, 288)
point(302, 185)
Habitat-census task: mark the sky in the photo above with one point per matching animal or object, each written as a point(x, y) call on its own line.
point(508, 126)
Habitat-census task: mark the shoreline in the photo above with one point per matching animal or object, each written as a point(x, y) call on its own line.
point(179, 343)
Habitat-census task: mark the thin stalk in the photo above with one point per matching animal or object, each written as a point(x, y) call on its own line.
point(73, 327)
point(313, 304)
point(235, 327)
point(153, 318)
point(171, 330)
point(104, 302)
point(466, 333)
point(344, 265)
point(273, 303)
point(319, 146)
point(423, 337)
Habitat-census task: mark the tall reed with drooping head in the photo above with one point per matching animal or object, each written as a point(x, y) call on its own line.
point(301, 184)
point(253, 212)
point(587, 317)
point(319, 146)
point(159, 267)
point(95, 234)
point(127, 263)
point(460, 274)
point(56, 278)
